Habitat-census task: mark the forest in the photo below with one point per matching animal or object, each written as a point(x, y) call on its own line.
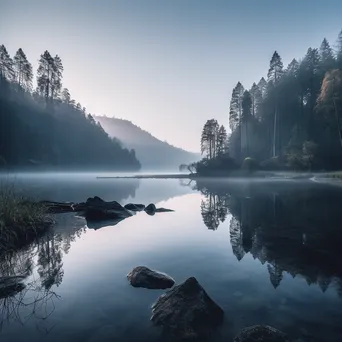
point(290, 119)
point(44, 128)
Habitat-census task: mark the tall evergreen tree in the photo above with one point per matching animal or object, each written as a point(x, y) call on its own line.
point(293, 68)
point(326, 56)
point(23, 70)
point(66, 97)
point(209, 138)
point(222, 141)
point(6, 65)
point(256, 98)
point(263, 87)
point(275, 71)
point(274, 75)
point(235, 111)
point(45, 76)
point(57, 77)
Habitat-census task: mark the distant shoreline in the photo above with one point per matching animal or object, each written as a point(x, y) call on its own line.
point(167, 176)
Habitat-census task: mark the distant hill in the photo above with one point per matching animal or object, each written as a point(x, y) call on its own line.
point(152, 153)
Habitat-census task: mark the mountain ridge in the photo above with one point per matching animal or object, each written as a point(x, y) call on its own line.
point(151, 151)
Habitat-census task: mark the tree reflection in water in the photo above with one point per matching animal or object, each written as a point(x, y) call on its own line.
point(34, 296)
point(292, 226)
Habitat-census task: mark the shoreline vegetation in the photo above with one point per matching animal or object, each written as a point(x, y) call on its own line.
point(22, 220)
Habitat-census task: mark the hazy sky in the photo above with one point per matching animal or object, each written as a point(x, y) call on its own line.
point(166, 65)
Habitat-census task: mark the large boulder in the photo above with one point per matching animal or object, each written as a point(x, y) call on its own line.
point(142, 276)
point(186, 311)
point(261, 333)
point(98, 209)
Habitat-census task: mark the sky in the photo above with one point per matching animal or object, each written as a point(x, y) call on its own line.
point(166, 65)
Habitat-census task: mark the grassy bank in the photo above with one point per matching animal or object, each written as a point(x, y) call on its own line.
point(21, 220)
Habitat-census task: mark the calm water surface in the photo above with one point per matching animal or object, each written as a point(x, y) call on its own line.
point(266, 252)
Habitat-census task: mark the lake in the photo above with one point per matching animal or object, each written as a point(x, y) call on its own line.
point(268, 252)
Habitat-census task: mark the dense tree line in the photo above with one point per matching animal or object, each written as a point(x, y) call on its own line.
point(45, 126)
point(294, 117)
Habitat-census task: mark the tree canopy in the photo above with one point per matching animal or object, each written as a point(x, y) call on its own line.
point(45, 128)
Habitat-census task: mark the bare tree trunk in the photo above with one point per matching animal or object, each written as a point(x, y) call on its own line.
point(275, 130)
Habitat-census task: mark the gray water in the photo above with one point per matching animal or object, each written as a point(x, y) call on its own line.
point(268, 252)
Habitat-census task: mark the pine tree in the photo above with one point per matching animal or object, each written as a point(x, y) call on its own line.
point(222, 141)
point(256, 98)
point(6, 65)
point(23, 70)
point(57, 77)
point(49, 76)
point(235, 111)
point(263, 87)
point(209, 138)
point(326, 56)
point(45, 76)
point(274, 75)
point(275, 71)
point(293, 68)
point(66, 97)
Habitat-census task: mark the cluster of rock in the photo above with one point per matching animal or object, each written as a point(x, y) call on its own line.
point(186, 312)
point(96, 209)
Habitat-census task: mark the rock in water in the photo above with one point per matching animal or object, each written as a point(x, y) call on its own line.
point(134, 207)
point(258, 333)
point(142, 276)
point(186, 311)
point(150, 209)
point(98, 209)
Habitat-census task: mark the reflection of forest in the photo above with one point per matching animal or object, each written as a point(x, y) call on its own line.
point(293, 227)
point(41, 266)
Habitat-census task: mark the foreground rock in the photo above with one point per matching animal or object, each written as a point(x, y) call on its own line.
point(258, 333)
point(186, 311)
point(142, 276)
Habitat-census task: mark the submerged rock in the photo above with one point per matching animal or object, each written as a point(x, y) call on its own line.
point(261, 333)
point(134, 207)
point(142, 276)
point(186, 311)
